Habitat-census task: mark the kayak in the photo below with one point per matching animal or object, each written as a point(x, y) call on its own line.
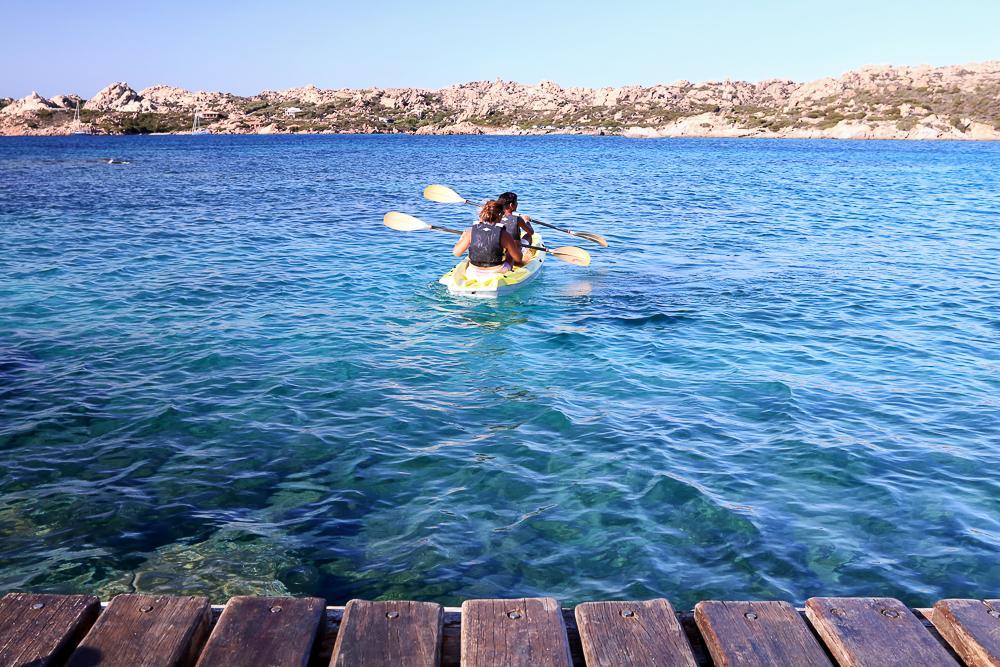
point(501, 283)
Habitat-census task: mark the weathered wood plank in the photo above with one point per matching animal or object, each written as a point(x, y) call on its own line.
point(39, 630)
point(397, 633)
point(757, 633)
point(874, 632)
point(146, 631)
point(625, 634)
point(525, 632)
point(452, 637)
point(276, 632)
point(972, 627)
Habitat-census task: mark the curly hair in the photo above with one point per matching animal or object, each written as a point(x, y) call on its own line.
point(492, 211)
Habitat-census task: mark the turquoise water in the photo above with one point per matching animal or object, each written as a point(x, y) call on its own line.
point(219, 373)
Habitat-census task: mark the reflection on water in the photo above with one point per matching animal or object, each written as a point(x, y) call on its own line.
point(578, 288)
point(491, 315)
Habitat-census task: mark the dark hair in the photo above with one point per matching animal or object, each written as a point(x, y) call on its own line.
point(507, 200)
point(492, 211)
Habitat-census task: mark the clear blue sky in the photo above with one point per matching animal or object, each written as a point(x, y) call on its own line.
point(56, 46)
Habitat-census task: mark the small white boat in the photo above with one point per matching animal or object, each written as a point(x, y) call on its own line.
point(77, 127)
point(196, 127)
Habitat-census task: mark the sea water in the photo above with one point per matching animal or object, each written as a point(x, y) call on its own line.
point(221, 374)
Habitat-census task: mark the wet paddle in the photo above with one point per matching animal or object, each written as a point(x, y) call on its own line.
point(403, 222)
point(445, 195)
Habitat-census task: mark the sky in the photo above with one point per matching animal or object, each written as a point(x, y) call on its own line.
point(56, 46)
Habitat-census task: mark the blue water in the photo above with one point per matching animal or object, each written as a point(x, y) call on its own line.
point(219, 373)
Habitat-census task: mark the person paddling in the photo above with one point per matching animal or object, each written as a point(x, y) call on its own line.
point(487, 241)
point(513, 222)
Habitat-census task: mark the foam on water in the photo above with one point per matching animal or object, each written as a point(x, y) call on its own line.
point(219, 373)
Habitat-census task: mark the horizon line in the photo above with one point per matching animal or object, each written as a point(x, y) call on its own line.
point(522, 83)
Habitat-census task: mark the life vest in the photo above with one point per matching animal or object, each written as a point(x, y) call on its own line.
point(485, 248)
point(509, 222)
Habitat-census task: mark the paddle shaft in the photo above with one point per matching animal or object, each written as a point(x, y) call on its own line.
point(533, 220)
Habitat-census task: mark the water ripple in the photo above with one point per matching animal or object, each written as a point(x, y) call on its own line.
point(219, 374)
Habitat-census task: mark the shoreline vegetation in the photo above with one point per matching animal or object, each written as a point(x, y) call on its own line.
point(874, 102)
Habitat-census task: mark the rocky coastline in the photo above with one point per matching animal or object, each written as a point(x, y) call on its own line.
point(875, 102)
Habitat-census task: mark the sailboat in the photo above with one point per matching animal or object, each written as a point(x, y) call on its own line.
point(196, 127)
point(77, 127)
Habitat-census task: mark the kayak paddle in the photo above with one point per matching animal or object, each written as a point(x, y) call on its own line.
point(403, 222)
point(445, 195)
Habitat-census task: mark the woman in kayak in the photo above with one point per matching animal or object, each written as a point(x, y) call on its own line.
point(511, 221)
point(487, 241)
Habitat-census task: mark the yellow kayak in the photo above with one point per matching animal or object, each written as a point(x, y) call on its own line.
point(501, 283)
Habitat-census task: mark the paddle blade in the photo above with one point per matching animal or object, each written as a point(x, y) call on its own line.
point(590, 236)
point(572, 255)
point(402, 222)
point(443, 195)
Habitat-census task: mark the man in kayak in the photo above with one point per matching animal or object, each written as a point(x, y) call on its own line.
point(487, 241)
point(513, 222)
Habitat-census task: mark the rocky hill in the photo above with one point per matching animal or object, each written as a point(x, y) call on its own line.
point(875, 102)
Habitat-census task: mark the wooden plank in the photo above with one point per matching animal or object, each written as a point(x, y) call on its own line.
point(397, 633)
point(972, 627)
point(525, 632)
point(757, 633)
point(146, 631)
point(870, 632)
point(623, 634)
point(38, 629)
point(276, 632)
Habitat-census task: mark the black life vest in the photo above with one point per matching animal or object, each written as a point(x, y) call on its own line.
point(485, 248)
point(509, 222)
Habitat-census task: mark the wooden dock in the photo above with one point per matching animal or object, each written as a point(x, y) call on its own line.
point(38, 630)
